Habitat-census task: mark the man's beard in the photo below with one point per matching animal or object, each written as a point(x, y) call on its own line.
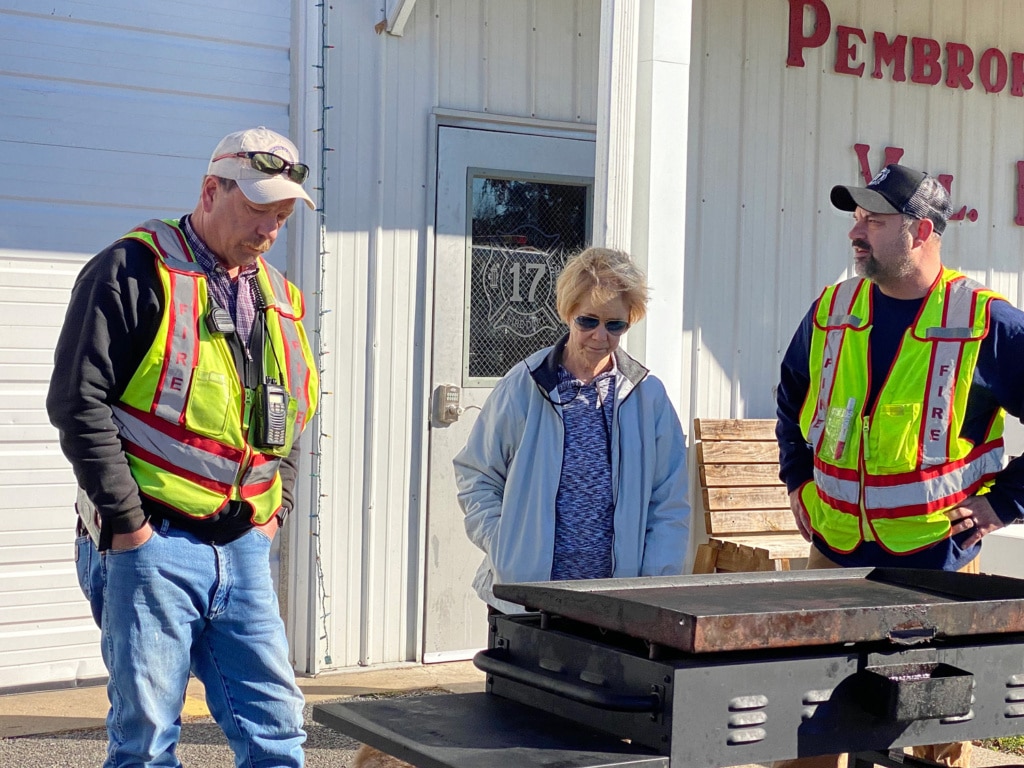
point(874, 270)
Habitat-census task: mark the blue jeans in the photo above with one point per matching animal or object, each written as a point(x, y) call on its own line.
point(175, 605)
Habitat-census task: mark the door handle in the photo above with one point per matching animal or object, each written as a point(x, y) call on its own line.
point(447, 406)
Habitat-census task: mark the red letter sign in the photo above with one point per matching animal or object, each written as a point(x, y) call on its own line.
point(797, 40)
point(846, 51)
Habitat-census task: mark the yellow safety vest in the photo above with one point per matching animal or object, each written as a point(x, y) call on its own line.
point(184, 419)
point(900, 467)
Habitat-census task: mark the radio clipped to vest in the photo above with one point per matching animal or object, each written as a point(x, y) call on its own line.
point(271, 417)
point(271, 414)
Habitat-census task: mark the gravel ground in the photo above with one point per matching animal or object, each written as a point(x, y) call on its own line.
point(202, 746)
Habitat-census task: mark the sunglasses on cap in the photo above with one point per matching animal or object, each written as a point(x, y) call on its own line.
point(588, 323)
point(271, 164)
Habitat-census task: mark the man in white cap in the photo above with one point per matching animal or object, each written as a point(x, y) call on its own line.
point(182, 381)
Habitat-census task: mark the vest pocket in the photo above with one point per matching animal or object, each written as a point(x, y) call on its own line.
point(893, 439)
point(209, 404)
point(838, 437)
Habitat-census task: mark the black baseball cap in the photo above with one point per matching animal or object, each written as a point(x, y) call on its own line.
point(898, 189)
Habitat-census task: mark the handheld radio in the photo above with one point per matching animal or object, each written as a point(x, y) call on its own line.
point(271, 409)
point(271, 414)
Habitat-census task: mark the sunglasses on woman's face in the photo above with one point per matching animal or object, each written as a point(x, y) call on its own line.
point(588, 323)
point(272, 165)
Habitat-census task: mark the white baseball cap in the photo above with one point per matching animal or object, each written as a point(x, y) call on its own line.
point(230, 161)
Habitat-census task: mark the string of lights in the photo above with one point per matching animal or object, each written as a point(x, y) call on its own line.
point(323, 599)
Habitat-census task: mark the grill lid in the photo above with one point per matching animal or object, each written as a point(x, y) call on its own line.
point(754, 611)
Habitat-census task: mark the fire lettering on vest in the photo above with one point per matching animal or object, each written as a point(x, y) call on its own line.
point(182, 358)
point(177, 383)
point(937, 413)
point(935, 435)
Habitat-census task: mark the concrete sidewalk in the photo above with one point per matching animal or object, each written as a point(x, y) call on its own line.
point(72, 709)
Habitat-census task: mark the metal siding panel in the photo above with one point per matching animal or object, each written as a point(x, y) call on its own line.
point(93, 97)
point(758, 221)
point(396, 572)
point(343, 416)
point(509, 45)
point(461, 65)
point(59, 515)
point(525, 59)
point(554, 52)
point(254, 23)
point(39, 596)
point(106, 55)
point(374, 272)
point(586, 67)
point(351, 189)
point(718, 244)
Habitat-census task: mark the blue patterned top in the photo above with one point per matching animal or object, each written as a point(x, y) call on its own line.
point(584, 504)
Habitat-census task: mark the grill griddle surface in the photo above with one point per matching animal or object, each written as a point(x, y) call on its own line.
point(751, 611)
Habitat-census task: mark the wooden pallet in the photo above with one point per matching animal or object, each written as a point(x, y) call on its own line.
point(746, 507)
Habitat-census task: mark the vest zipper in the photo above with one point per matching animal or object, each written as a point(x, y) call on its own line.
point(243, 468)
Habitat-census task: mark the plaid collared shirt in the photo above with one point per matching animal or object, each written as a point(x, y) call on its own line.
point(225, 291)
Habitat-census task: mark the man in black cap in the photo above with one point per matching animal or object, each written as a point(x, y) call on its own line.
point(892, 398)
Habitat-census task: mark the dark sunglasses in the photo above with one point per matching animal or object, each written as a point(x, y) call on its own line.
point(588, 323)
point(271, 164)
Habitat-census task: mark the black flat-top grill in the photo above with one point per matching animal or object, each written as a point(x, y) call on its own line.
point(722, 670)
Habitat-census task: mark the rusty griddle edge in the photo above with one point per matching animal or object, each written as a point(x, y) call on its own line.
point(924, 604)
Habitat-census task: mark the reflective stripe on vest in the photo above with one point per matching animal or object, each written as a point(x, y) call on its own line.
point(960, 305)
point(842, 302)
point(890, 497)
point(843, 494)
point(298, 371)
point(156, 441)
point(910, 493)
point(206, 462)
point(183, 305)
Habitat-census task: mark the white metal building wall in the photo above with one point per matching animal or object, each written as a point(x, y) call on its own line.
point(767, 143)
point(110, 111)
point(528, 59)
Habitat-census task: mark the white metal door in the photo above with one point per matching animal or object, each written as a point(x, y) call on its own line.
point(510, 207)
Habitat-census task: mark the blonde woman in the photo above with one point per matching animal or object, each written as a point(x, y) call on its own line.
point(576, 467)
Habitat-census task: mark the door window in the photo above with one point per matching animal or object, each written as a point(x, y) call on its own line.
point(523, 230)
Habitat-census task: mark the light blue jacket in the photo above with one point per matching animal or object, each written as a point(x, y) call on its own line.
point(508, 473)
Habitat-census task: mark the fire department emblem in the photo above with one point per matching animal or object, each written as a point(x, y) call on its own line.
point(519, 287)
